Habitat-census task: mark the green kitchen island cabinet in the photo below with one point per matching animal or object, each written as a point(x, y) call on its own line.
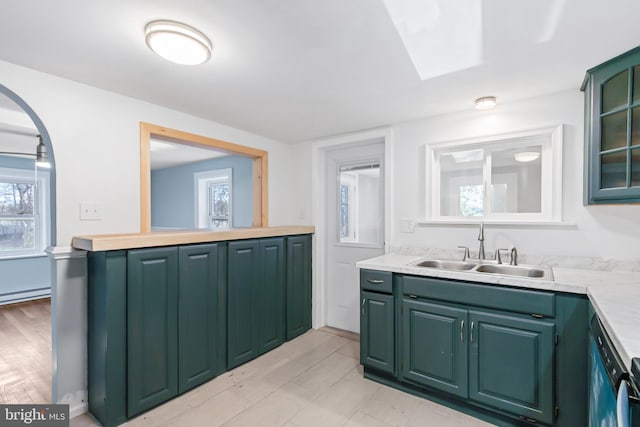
point(160, 319)
point(255, 298)
point(175, 321)
point(511, 356)
point(298, 310)
point(152, 328)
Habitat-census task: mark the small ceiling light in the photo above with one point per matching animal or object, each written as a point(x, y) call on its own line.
point(485, 102)
point(42, 158)
point(526, 156)
point(177, 42)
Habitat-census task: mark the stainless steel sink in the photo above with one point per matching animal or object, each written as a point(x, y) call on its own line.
point(486, 267)
point(513, 270)
point(446, 264)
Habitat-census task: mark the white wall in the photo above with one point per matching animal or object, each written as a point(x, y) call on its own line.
point(598, 231)
point(605, 231)
point(95, 139)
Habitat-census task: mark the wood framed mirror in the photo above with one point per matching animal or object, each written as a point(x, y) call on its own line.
point(259, 168)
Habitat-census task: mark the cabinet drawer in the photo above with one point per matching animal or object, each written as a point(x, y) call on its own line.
point(374, 280)
point(491, 296)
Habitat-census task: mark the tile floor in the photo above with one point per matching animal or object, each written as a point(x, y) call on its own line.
point(313, 380)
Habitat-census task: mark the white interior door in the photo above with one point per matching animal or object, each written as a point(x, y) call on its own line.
point(355, 220)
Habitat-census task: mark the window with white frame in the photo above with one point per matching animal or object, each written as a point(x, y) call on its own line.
point(24, 199)
point(510, 178)
point(214, 192)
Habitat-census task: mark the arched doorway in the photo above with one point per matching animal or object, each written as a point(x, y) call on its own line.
point(27, 227)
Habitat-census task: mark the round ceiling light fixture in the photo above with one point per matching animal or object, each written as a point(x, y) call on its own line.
point(177, 42)
point(485, 102)
point(526, 156)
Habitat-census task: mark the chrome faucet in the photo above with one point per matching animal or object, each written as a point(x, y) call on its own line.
point(514, 256)
point(481, 239)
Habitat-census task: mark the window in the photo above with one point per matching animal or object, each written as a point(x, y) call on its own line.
point(214, 193)
point(218, 203)
point(359, 203)
point(23, 200)
point(510, 178)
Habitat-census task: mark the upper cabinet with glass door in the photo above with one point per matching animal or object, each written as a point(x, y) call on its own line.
point(612, 130)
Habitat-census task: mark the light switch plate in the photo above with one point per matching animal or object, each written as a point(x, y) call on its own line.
point(90, 211)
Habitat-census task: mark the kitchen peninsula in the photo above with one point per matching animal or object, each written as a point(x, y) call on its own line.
point(168, 311)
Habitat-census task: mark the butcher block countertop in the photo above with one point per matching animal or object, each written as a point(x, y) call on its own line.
point(111, 242)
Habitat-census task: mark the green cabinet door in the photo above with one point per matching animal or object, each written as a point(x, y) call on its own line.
point(270, 294)
point(612, 130)
point(243, 277)
point(511, 364)
point(152, 321)
point(298, 311)
point(201, 314)
point(434, 346)
point(377, 331)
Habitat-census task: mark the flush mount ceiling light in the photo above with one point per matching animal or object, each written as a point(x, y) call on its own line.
point(526, 156)
point(177, 42)
point(485, 102)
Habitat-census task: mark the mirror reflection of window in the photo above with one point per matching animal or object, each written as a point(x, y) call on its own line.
point(508, 179)
point(192, 187)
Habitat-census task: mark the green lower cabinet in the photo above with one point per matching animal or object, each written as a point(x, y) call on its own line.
point(270, 294)
point(243, 277)
point(377, 331)
point(256, 298)
point(434, 351)
point(511, 364)
point(298, 312)
point(201, 314)
point(152, 328)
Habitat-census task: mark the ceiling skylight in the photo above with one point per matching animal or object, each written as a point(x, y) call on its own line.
point(441, 36)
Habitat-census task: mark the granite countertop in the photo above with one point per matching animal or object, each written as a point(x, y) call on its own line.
point(614, 295)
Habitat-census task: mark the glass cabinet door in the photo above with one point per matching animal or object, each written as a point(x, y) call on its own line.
point(612, 101)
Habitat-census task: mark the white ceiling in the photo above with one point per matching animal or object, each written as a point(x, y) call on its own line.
point(169, 154)
point(301, 69)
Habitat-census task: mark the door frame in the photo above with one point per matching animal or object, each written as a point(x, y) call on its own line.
point(319, 149)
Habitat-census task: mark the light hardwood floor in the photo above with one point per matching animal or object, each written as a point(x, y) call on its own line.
point(313, 380)
point(25, 352)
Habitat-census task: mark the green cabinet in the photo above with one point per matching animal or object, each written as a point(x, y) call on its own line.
point(511, 356)
point(298, 311)
point(434, 351)
point(256, 286)
point(377, 331)
point(612, 130)
point(201, 314)
point(511, 364)
point(175, 322)
point(377, 321)
point(152, 328)
point(164, 320)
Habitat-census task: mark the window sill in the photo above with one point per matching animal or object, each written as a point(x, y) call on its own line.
point(21, 256)
point(499, 223)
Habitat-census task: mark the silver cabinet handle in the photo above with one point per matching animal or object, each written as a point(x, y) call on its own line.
point(472, 324)
point(375, 282)
point(364, 301)
point(462, 331)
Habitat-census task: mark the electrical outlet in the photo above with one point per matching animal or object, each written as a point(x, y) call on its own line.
point(90, 211)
